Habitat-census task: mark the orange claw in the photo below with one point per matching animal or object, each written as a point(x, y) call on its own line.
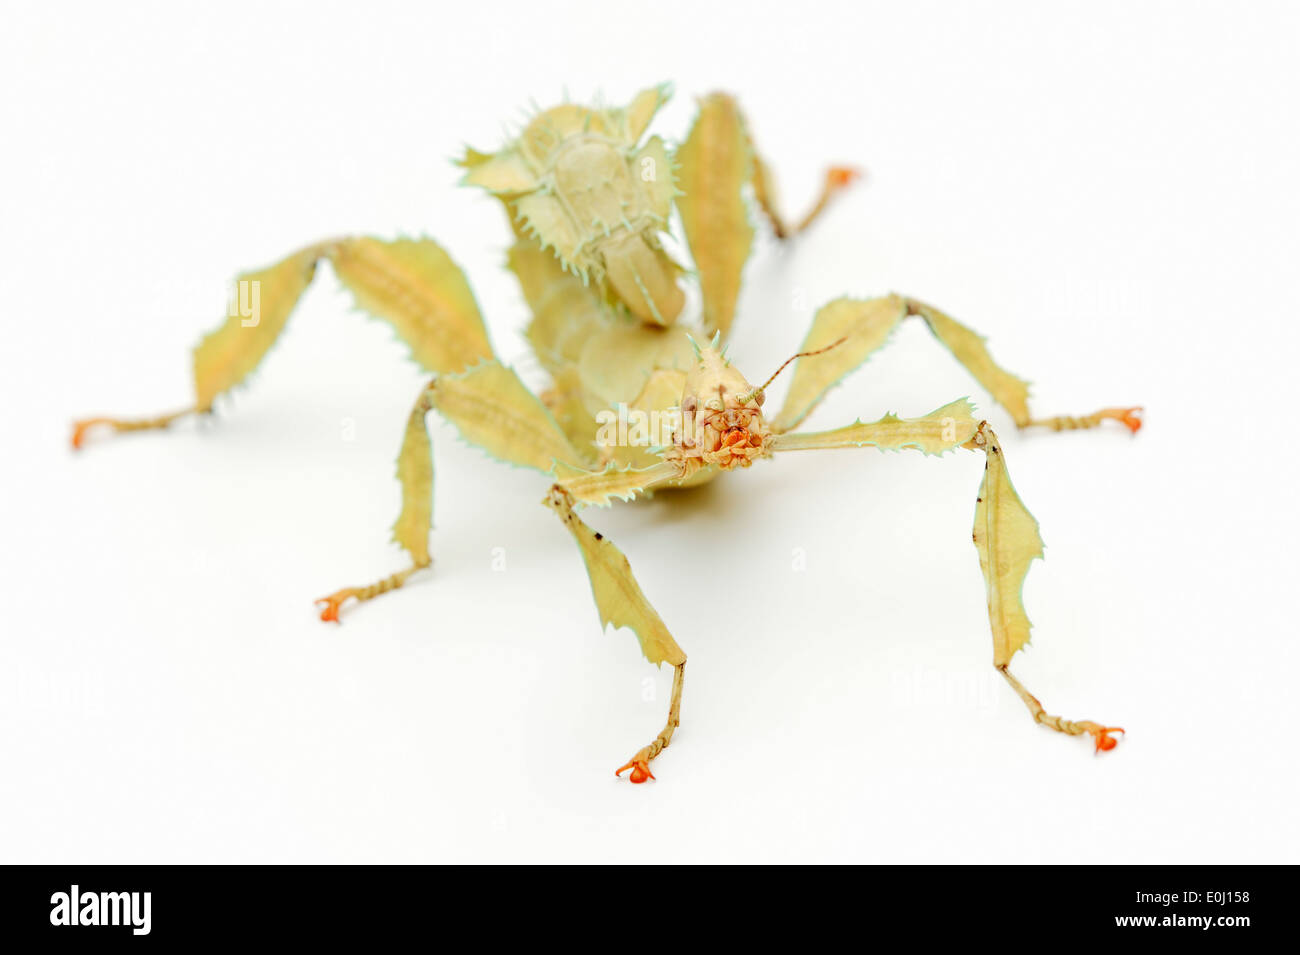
point(330, 611)
point(1130, 418)
point(1105, 742)
point(840, 176)
point(79, 429)
point(640, 770)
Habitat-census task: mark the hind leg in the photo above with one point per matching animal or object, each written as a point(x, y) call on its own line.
point(714, 165)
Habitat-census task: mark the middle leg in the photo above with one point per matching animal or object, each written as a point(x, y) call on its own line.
point(492, 409)
point(410, 283)
point(866, 325)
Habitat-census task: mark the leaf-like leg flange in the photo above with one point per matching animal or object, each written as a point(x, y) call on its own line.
point(621, 603)
point(1011, 392)
point(866, 325)
point(941, 430)
point(410, 283)
point(411, 530)
point(1005, 533)
point(715, 163)
point(1007, 540)
point(494, 411)
point(259, 308)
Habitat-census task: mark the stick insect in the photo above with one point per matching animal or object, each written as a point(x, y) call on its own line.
point(590, 198)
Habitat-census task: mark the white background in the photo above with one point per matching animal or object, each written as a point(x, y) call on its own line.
point(1108, 191)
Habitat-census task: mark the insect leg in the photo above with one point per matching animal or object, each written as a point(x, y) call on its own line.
point(864, 326)
point(1006, 537)
point(714, 165)
point(836, 180)
point(620, 602)
point(410, 283)
point(1009, 391)
point(1102, 739)
point(260, 306)
point(493, 410)
point(1005, 533)
point(411, 530)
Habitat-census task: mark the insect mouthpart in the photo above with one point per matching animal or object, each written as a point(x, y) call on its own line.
point(722, 431)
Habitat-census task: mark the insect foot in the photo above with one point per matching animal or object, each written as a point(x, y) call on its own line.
point(1130, 418)
point(837, 177)
point(640, 766)
point(1100, 734)
point(330, 605)
point(640, 763)
point(121, 425)
point(79, 429)
point(330, 611)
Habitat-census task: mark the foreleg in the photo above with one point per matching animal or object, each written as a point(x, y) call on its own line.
point(620, 602)
point(1006, 537)
point(1005, 533)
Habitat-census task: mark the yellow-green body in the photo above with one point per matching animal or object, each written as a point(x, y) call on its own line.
point(642, 396)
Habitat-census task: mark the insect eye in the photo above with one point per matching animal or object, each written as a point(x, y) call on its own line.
point(760, 398)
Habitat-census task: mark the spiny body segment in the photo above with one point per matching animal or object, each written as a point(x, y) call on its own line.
point(580, 183)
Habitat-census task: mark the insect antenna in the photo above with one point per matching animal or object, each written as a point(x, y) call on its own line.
point(745, 399)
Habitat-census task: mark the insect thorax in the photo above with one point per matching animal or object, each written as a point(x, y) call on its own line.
point(600, 205)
